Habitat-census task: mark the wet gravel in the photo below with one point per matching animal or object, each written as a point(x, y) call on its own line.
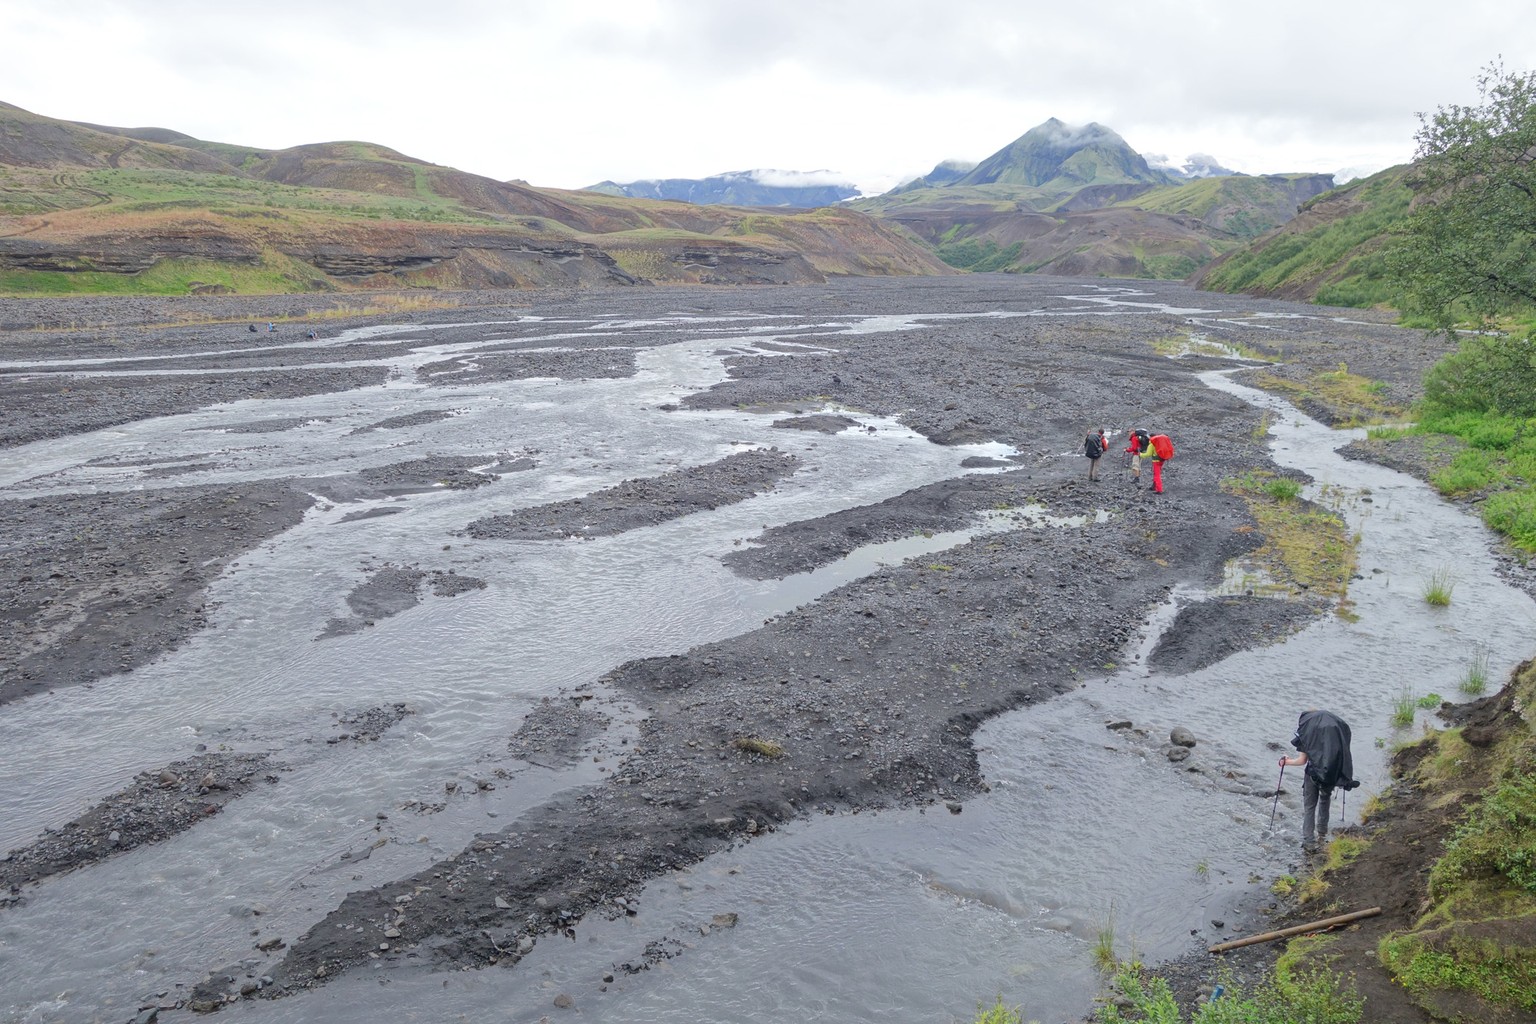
point(638, 503)
point(391, 590)
point(98, 584)
point(157, 805)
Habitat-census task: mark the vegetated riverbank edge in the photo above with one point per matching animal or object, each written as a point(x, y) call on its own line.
point(846, 704)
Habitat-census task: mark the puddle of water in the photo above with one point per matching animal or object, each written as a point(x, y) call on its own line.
point(1203, 345)
point(1241, 577)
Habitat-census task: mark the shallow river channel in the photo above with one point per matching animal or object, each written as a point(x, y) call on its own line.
point(912, 915)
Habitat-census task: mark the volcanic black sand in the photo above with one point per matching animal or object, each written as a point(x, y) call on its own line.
point(848, 703)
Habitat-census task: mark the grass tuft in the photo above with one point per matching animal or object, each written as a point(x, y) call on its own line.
point(998, 1013)
point(1437, 589)
point(754, 745)
point(1475, 680)
point(1104, 946)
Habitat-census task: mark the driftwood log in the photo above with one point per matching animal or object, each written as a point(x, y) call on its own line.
point(1300, 929)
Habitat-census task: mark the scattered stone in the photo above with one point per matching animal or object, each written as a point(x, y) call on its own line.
point(1181, 737)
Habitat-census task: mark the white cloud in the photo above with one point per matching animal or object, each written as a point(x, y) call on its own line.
point(798, 179)
point(567, 95)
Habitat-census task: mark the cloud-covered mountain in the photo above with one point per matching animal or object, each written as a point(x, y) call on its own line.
point(761, 187)
point(1196, 165)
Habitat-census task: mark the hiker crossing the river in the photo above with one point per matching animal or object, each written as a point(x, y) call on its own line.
point(1323, 739)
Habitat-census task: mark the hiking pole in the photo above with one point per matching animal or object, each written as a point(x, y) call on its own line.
point(1276, 805)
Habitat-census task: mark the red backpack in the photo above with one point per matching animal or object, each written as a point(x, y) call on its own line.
point(1163, 445)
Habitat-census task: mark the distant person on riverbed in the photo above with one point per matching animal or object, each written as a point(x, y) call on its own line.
point(1094, 446)
point(1162, 451)
point(1323, 739)
point(1141, 444)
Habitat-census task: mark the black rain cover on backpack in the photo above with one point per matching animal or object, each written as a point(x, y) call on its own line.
point(1324, 738)
point(1092, 446)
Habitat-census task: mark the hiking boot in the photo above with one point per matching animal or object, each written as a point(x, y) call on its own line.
point(1309, 846)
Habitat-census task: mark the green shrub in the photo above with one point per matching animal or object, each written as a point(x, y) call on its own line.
point(1470, 470)
point(1487, 373)
point(1494, 433)
point(1498, 838)
point(1283, 488)
point(979, 256)
point(1292, 998)
point(1513, 513)
point(1501, 975)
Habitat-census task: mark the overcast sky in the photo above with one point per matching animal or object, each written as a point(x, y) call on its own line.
point(566, 94)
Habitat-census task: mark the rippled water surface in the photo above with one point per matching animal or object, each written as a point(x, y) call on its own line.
point(905, 915)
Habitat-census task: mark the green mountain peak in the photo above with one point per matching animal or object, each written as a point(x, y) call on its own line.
point(1054, 151)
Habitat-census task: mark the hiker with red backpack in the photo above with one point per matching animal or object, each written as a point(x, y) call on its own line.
point(1162, 451)
point(1140, 443)
point(1158, 448)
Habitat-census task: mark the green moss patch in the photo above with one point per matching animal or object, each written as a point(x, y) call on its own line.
point(1306, 546)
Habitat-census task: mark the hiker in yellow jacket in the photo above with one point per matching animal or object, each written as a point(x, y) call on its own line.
point(1158, 448)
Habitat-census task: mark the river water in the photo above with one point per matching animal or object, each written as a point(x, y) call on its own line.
point(906, 915)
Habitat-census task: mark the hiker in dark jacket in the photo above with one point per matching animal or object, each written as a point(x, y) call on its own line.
point(1323, 739)
point(1094, 446)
